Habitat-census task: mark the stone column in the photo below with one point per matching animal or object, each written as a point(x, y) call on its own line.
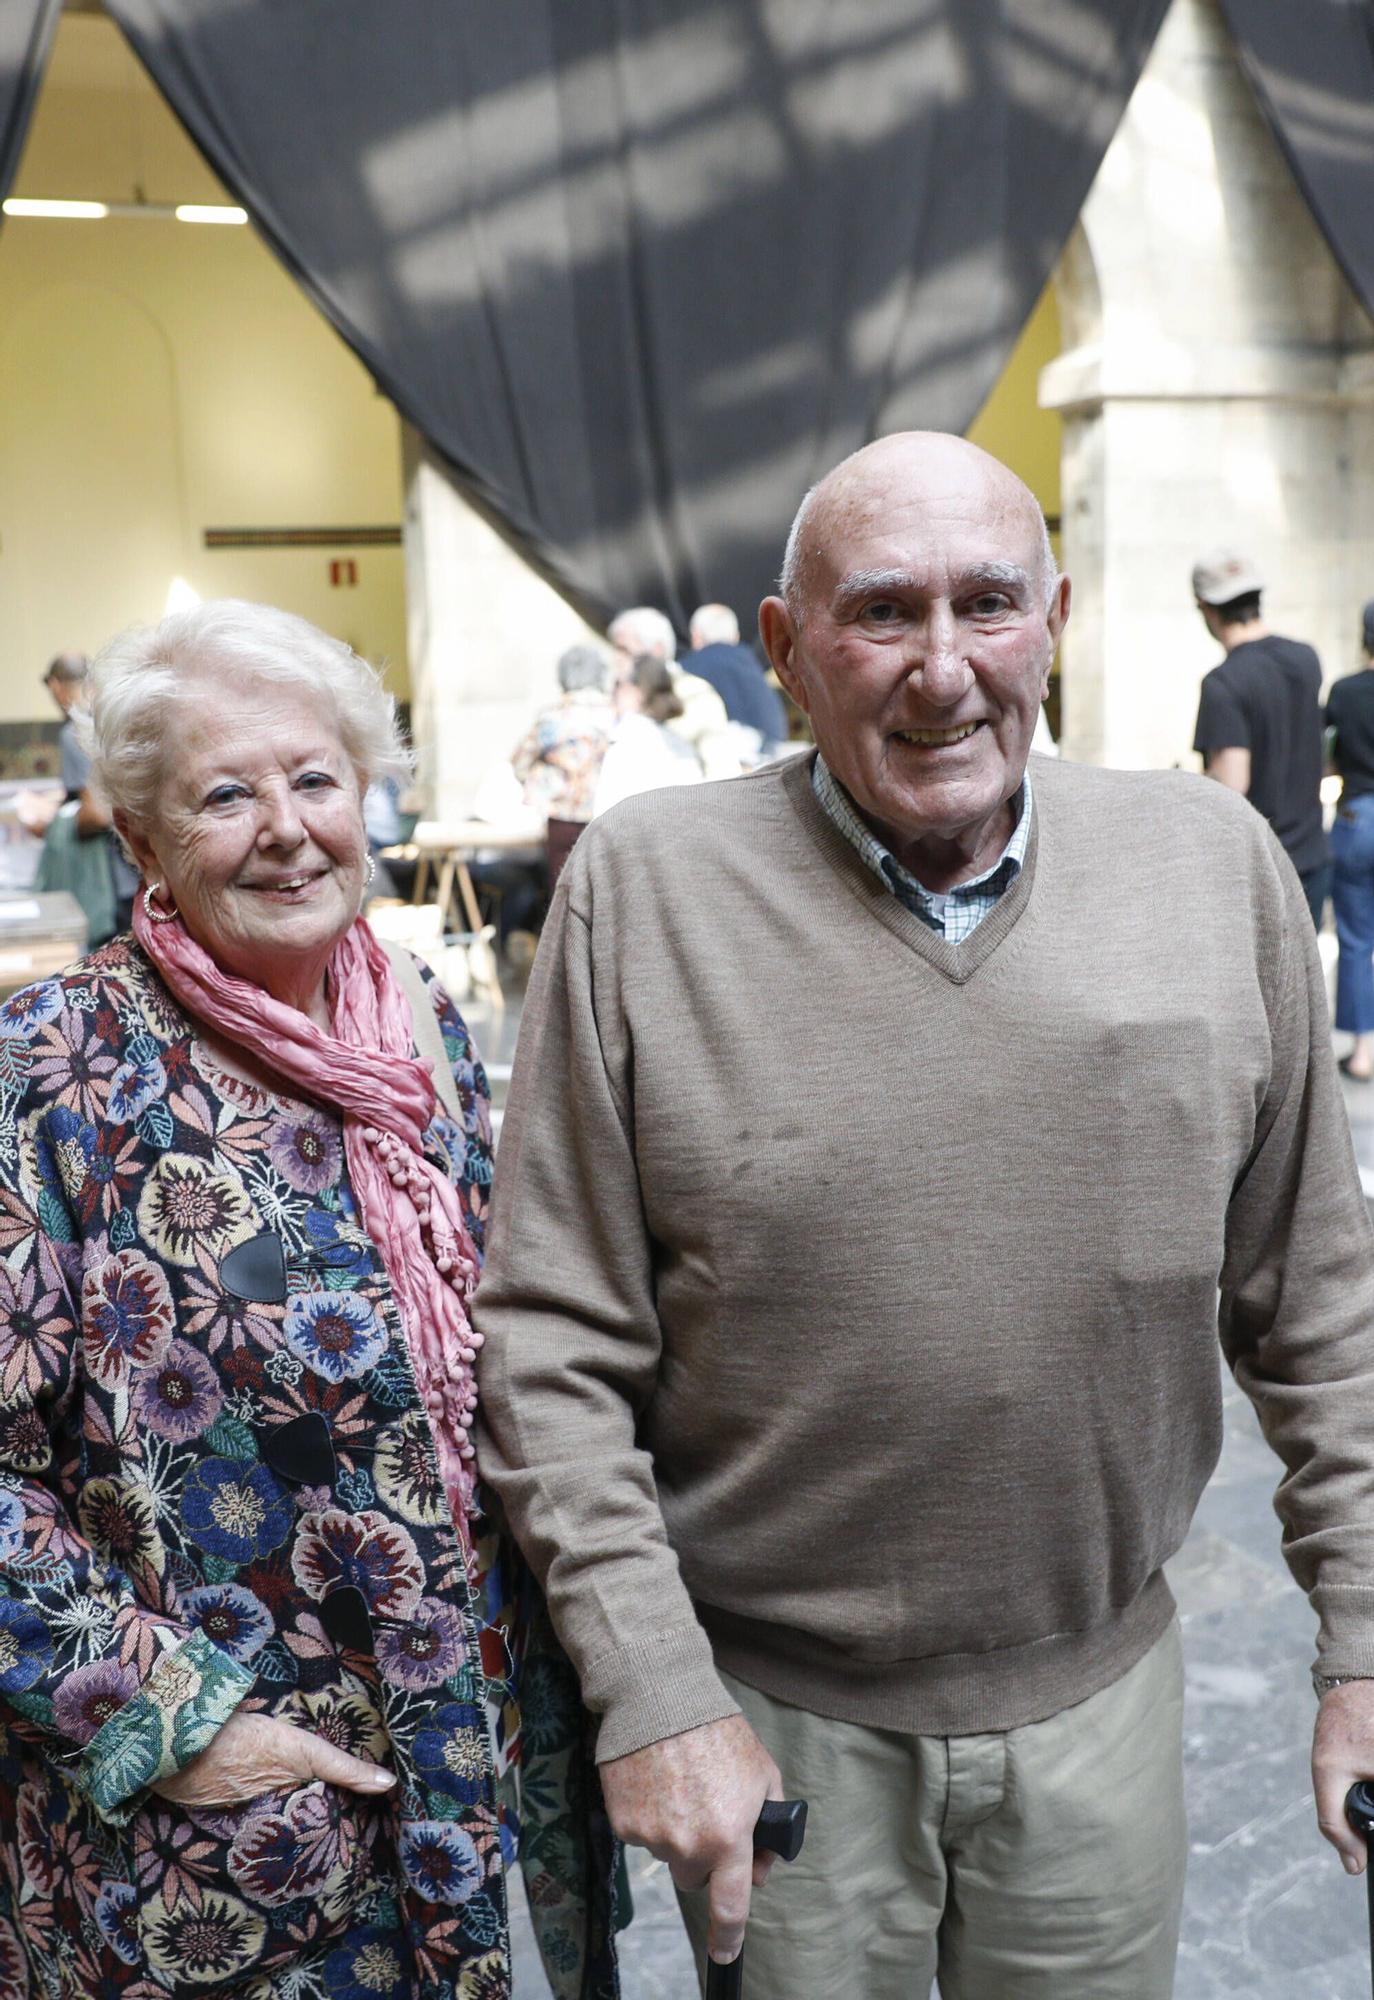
point(484, 630)
point(1217, 386)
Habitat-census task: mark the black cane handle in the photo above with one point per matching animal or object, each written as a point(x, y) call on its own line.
point(1359, 1810)
point(780, 1829)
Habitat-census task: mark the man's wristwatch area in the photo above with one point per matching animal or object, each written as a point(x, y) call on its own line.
point(1323, 1683)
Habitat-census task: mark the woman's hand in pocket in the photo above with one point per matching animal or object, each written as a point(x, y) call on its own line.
point(252, 1754)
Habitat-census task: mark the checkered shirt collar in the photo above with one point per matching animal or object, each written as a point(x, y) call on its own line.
point(960, 911)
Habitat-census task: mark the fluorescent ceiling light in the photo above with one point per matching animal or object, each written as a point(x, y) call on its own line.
point(90, 210)
point(194, 211)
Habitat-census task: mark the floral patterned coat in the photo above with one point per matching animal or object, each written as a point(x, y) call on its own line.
point(156, 1572)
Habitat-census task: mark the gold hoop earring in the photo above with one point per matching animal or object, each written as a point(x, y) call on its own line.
point(156, 915)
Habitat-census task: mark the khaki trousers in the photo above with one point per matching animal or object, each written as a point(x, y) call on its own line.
point(1044, 1863)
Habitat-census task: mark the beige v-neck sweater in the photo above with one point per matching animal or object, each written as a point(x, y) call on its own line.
point(852, 1300)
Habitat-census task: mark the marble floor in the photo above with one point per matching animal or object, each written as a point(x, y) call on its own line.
point(1268, 1914)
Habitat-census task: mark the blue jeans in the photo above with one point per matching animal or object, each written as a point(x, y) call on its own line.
point(1352, 894)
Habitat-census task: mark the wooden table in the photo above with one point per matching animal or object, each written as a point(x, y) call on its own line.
point(449, 846)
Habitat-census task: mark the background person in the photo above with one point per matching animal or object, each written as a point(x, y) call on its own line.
point(861, 1378)
point(1350, 721)
point(734, 671)
point(558, 760)
point(703, 723)
point(1259, 718)
point(80, 853)
point(645, 752)
point(235, 1483)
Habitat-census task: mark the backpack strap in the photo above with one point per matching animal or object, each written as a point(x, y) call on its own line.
point(429, 1038)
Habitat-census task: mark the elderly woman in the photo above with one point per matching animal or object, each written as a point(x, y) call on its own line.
point(243, 1740)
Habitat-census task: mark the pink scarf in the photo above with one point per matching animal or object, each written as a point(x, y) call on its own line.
point(409, 1208)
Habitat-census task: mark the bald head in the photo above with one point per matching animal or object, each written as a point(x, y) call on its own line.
point(912, 470)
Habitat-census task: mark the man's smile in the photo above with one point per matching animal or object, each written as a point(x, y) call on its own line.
point(936, 739)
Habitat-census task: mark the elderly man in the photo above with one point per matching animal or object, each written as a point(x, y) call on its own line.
point(888, 1125)
point(734, 672)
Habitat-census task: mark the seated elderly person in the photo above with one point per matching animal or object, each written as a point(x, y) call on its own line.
point(242, 1197)
point(558, 760)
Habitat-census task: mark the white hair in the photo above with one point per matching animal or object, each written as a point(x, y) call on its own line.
point(140, 675)
point(714, 625)
point(794, 559)
point(642, 629)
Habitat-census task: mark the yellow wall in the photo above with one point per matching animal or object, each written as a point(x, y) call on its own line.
point(159, 378)
point(1011, 425)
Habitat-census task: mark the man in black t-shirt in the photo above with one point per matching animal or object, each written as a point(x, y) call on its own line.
point(1259, 718)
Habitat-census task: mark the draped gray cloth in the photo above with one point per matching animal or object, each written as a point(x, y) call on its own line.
point(1311, 63)
point(640, 270)
point(26, 32)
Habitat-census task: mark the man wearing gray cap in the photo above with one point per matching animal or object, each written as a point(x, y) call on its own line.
point(1259, 718)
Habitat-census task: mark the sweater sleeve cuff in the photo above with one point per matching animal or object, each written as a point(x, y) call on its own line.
point(187, 1698)
point(654, 1688)
point(1345, 1642)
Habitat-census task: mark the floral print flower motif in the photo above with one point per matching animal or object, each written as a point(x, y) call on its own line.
point(119, 1520)
point(25, 1446)
point(550, 1707)
point(235, 1509)
point(71, 1065)
point(306, 1152)
point(127, 1316)
point(304, 1849)
point(36, 1328)
point(366, 1550)
point(188, 1210)
point(14, 1970)
point(89, 1696)
point(201, 1942)
point(111, 1171)
point(440, 1861)
point(180, 1396)
point(450, 1752)
point(239, 1623)
point(25, 1645)
point(487, 1978)
point(429, 1648)
point(116, 1912)
point(407, 1475)
point(133, 1087)
point(338, 1334)
point(368, 1967)
point(25, 1012)
point(346, 1718)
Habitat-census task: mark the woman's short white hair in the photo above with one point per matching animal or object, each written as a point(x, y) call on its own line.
point(140, 675)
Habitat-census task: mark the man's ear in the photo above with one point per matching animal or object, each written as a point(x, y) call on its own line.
point(779, 636)
point(1056, 619)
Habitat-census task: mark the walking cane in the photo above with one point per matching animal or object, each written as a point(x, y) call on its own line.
point(1359, 1810)
point(781, 1830)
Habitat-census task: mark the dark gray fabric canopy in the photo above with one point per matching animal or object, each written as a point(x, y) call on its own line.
point(26, 32)
point(1312, 66)
point(642, 269)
